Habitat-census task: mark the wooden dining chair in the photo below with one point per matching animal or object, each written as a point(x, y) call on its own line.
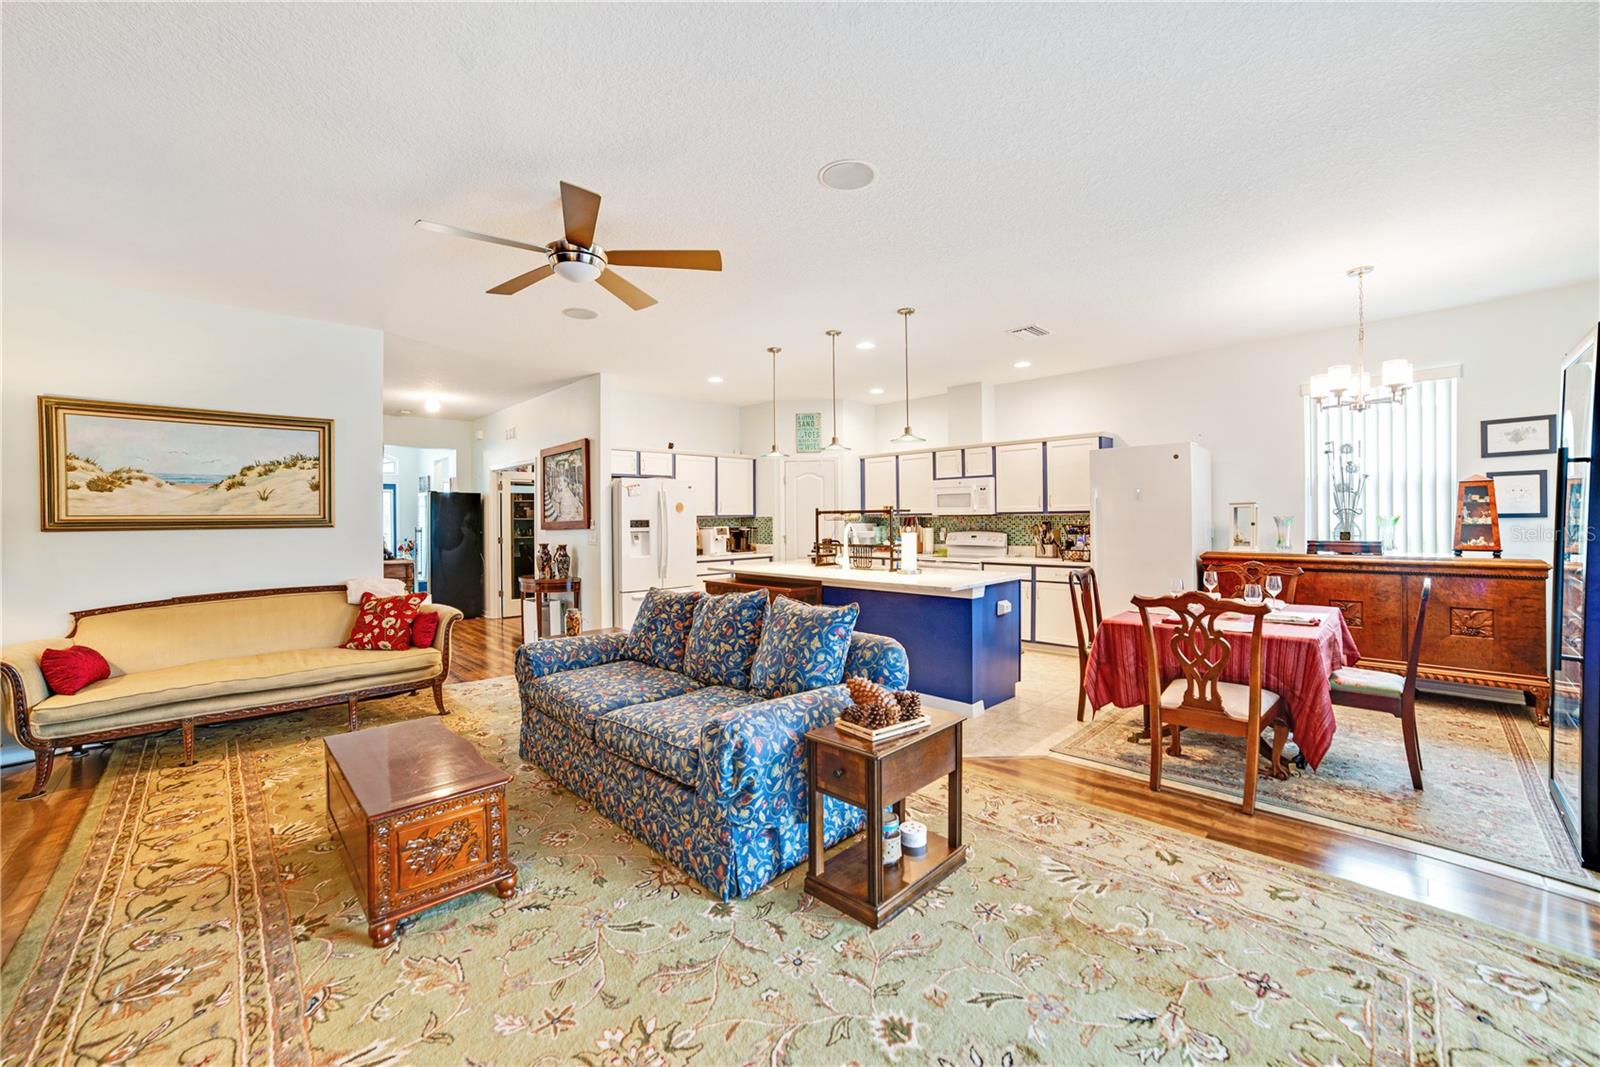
point(1358, 687)
point(1198, 697)
point(1084, 589)
point(1254, 572)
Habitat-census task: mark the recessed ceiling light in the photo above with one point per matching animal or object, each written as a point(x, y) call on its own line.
point(865, 345)
point(580, 313)
point(1023, 364)
point(876, 390)
point(405, 411)
point(715, 379)
point(847, 174)
point(431, 405)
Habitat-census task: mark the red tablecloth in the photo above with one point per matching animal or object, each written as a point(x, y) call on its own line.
point(1296, 662)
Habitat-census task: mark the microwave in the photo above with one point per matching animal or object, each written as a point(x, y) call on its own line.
point(963, 496)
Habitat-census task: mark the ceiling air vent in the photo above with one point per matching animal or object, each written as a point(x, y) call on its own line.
point(1029, 330)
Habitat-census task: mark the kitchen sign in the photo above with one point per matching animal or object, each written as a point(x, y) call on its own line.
point(808, 431)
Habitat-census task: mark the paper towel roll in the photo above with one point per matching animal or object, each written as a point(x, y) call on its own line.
point(908, 551)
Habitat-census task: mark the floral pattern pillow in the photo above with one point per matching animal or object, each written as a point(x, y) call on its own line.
point(802, 647)
point(661, 631)
point(383, 623)
point(723, 638)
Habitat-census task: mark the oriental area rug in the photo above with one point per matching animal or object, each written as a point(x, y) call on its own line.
point(203, 915)
point(1484, 773)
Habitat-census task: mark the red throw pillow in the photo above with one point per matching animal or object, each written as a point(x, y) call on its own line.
point(67, 670)
point(384, 622)
point(424, 628)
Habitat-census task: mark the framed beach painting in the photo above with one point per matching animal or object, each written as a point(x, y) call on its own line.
point(564, 486)
point(111, 466)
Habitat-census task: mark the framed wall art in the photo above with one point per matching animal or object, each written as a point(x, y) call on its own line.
point(1522, 494)
point(564, 486)
point(1531, 436)
point(105, 465)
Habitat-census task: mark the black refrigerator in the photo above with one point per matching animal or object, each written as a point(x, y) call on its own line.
point(455, 551)
point(1575, 649)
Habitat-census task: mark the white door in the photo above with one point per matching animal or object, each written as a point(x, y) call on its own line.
point(1053, 614)
point(808, 485)
point(1019, 477)
point(678, 546)
point(628, 605)
point(736, 486)
point(916, 483)
point(698, 475)
point(878, 482)
point(638, 526)
point(1067, 474)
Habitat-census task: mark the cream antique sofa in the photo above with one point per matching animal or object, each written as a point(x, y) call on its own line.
point(195, 660)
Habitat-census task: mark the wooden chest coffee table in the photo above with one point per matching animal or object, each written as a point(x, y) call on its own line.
point(420, 818)
point(872, 776)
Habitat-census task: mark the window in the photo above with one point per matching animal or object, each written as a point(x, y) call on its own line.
point(1407, 455)
point(389, 520)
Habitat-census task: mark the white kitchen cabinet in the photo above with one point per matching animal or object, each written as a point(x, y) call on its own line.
point(878, 482)
point(624, 462)
point(736, 486)
point(655, 464)
point(1019, 477)
point(698, 475)
point(1052, 614)
point(916, 482)
point(1025, 607)
point(1067, 474)
point(978, 462)
point(947, 463)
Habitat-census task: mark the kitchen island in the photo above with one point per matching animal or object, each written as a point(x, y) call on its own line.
point(961, 629)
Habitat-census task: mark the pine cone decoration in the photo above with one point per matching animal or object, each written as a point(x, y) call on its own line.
point(880, 714)
point(855, 713)
point(865, 692)
point(910, 705)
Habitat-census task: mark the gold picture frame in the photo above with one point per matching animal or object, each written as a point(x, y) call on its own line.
point(107, 465)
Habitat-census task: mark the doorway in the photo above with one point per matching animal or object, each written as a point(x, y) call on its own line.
point(809, 485)
point(516, 508)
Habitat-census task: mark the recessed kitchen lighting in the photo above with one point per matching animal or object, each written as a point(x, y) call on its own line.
point(847, 174)
point(876, 390)
point(405, 411)
point(431, 405)
point(1023, 364)
point(865, 345)
point(715, 379)
point(580, 313)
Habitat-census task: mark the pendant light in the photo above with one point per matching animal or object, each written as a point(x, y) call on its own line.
point(1346, 387)
point(776, 453)
point(834, 445)
point(907, 438)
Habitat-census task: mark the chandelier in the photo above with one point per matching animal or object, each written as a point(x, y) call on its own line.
point(1344, 386)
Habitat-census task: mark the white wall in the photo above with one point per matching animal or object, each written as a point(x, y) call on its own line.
point(71, 339)
point(648, 421)
point(411, 464)
point(929, 419)
point(415, 431)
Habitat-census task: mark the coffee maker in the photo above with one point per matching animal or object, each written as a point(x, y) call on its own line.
point(741, 539)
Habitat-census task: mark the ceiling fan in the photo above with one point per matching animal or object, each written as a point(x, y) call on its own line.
point(575, 257)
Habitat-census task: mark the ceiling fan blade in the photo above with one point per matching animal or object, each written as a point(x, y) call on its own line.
point(708, 259)
point(522, 281)
point(580, 210)
point(624, 290)
point(457, 231)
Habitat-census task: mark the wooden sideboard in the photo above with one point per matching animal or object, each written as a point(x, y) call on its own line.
point(1485, 623)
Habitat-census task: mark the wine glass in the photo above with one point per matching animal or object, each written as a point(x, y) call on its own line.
point(1176, 588)
point(1252, 594)
point(1210, 580)
point(1274, 585)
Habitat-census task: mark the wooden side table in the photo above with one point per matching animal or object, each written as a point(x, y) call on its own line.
point(419, 815)
point(854, 880)
point(541, 590)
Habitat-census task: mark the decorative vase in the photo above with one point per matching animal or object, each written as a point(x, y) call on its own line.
point(572, 622)
point(1285, 525)
point(563, 562)
point(1388, 526)
point(546, 568)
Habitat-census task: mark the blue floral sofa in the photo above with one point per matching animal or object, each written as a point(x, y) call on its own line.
point(677, 739)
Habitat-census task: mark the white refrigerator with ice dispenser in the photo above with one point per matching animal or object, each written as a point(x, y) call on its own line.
point(1150, 519)
point(653, 541)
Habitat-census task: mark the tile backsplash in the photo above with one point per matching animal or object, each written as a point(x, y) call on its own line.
point(1015, 527)
point(761, 523)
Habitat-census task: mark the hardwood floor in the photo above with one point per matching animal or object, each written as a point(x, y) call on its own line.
point(34, 833)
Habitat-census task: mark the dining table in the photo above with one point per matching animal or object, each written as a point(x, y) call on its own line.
point(1297, 660)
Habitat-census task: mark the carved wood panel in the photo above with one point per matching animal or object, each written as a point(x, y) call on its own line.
point(1472, 622)
point(1351, 609)
point(437, 849)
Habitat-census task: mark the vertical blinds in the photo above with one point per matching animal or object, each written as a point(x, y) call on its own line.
point(1407, 451)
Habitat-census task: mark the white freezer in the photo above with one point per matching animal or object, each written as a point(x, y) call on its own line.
point(653, 541)
point(1151, 519)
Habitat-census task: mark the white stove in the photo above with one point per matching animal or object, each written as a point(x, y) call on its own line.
point(971, 548)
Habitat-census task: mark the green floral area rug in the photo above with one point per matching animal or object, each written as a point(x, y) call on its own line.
point(1484, 772)
point(202, 915)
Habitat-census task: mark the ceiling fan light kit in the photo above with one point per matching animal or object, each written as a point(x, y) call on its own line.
point(907, 437)
point(834, 445)
point(575, 257)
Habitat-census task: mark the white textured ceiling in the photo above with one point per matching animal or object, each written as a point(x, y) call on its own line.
point(1142, 180)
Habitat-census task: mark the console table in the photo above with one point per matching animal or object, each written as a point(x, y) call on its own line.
point(1485, 623)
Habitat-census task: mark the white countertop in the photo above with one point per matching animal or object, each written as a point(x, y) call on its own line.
point(966, 584)
point(724, 557)
point(1007, 561)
